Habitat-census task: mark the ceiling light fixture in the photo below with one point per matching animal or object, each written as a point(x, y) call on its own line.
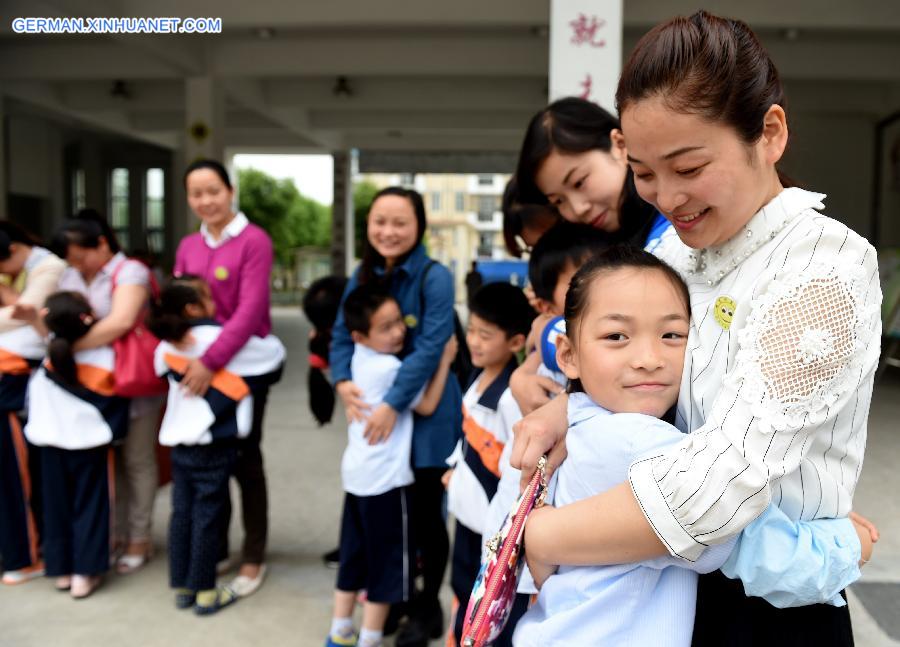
point(342, 88)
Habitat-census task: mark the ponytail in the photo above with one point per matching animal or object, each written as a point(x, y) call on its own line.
point(69, 317)
point(168, 320)
point(63, 360)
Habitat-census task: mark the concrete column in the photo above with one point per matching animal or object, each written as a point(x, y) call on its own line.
point(342, 256)
point(4, 161)
point(95, 175)
point(204, 133)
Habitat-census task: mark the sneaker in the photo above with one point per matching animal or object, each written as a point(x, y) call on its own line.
point(222, 597)
point(342, 641)
point(244, 586)
point(23, 575)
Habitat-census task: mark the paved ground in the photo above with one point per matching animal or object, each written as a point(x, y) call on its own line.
point(293, 608)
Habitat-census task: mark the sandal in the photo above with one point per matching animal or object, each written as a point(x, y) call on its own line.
point(83, 586)
point(185, 598)
point(224, 597)
point(131, 562)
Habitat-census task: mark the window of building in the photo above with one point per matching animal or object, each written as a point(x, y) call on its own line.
point(118, 205)
point(485, 180)
point(435, 201)
point(79, 199)
point(407, 179)
point(486, 206)
point(485, 244)
point(154, 210)
point(460, 201)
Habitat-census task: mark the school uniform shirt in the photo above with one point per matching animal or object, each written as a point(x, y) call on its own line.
point(368, 470)
point(80, 416)
point(777, 382)
point(476, 459)
point(644, 603)
point(507, 490)
point(226, 410)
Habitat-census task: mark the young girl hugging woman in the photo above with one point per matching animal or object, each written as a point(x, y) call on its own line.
point(203, 432)
point(627, 320)
point(74, 415)
point(783, 342)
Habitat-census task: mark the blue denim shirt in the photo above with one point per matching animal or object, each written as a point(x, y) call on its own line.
point(434, 436)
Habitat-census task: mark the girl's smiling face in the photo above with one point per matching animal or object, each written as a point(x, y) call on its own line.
point(704, 179)
point(628, 345)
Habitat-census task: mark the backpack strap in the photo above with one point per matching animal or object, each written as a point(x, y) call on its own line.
point(154, 285)
point(431, 263)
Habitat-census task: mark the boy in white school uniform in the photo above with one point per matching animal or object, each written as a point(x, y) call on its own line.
point(498, 322)
point(375, 546)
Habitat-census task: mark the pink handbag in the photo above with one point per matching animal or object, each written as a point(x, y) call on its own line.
point(495, 587)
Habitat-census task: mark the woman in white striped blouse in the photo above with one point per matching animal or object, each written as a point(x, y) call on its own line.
point(783, 344)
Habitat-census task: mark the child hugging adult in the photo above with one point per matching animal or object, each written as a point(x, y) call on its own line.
point(783, 343)
point(396, 257)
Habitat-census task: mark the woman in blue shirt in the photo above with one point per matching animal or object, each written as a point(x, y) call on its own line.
point(395, 256)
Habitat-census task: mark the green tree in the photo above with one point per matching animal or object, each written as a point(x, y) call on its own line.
point(363, 194)
point(290, 218)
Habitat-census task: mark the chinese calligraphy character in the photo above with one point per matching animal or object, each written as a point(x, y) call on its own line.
point(584, 31)
point(586, 86)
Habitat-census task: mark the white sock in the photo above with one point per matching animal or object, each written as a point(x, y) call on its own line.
point(342, 627)
point(370, 637)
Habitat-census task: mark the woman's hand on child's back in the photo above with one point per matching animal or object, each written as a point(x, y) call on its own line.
point(868, 535)
point(380, 424)
point(445, 478)
point(24, 312)
point(197, 378)
point(352, 395)
point(541, 432)
point(529, 389)
point(450, 350)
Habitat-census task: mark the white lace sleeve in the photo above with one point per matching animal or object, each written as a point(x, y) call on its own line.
point(802, 376)
point(804, 344)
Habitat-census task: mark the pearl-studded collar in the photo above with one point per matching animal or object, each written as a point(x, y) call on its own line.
point(712, 264)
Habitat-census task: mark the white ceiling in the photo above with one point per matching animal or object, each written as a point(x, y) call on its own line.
point(454, 75)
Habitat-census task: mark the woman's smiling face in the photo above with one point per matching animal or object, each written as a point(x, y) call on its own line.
point(703, 178)
point(391, 227)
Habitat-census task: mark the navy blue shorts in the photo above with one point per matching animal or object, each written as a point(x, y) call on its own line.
point(376, 546)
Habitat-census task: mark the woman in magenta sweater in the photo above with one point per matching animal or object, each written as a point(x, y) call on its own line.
point(235, 258)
